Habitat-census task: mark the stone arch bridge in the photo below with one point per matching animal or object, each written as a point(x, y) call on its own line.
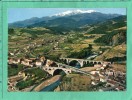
point(62, 67)
point(55, 70)
point(83, 61)
point(68, 69)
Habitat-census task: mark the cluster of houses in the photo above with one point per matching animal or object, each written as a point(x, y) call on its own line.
point(38, 62)
point(113, 80)
point(28, 62)
point(33, 62)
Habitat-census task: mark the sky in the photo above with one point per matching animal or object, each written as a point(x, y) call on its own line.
point(19, 14)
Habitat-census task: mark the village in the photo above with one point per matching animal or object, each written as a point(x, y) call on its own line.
point(108, 79)
point(103, 76)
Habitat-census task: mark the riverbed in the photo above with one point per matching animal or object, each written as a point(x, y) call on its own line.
point(49, 84)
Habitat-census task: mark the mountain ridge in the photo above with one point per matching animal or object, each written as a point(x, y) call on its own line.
point(77, 19)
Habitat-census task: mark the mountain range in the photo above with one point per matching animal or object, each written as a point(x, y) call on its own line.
point(67, 19)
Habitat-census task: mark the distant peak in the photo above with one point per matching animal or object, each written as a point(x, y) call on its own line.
point(74, 12)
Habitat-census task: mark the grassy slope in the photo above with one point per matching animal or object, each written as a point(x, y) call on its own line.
point(75, 82)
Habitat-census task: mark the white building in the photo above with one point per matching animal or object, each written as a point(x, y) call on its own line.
point(39, 64)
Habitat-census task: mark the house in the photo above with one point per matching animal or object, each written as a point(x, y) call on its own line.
point(111, 73)
point(29, 60)
point(39, 64)
point(27, 63)
point(94, 83)
point(106, 64)
point(32, 59)
point(12, 54)
point(95, 77)
point(102, 71)
point(103, 79)
point(25, 78)
point(93, 72)
point(49, 63)
point(21, 73)
point(111, 83)
point(119, 88)
point(14, 61)
point(10, 60)
point(42, 59)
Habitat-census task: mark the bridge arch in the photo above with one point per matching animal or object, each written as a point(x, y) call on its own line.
point(95, 63)
point(65, 61)
point(85, 62)
point(58, 72)
point(99, 63)
point(75, 63)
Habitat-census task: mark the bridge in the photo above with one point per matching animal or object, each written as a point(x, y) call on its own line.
point(63, 67)
point(68, 69)
point(56, 70)
point(82, 61)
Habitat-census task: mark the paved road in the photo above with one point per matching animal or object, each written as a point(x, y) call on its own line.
point(73, 68)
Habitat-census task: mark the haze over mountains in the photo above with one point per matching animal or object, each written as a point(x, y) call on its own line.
point(68, 19)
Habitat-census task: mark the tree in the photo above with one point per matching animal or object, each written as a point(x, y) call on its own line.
point(89, 50)
point(10, 30)
point(90, 47)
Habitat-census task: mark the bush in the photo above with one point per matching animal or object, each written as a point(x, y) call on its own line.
point(11, 31)
point(52, 57)
point(24, 84)
point(37, 72)
point(116, 59)
point(14, 69)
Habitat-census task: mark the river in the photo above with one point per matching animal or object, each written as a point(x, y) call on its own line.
point(51, 87)
point(77, 65)
point(49, 84)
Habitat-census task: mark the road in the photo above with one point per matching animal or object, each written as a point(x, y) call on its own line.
point(73, 68)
